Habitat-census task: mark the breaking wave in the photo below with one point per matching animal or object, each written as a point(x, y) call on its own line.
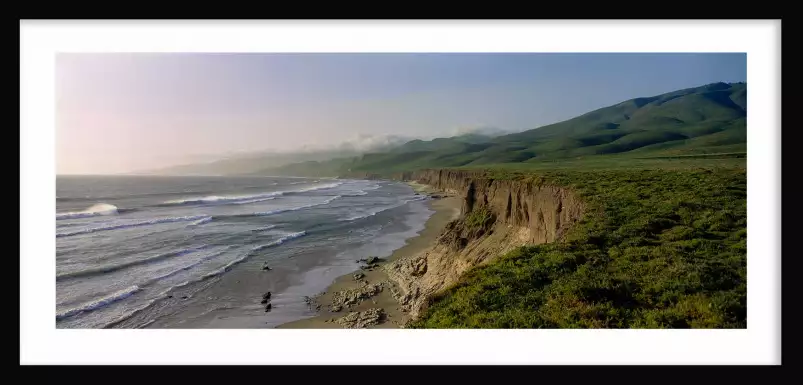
point(119, 266)
point(99, 303)
point(200, 222)
point(93, 211)
point(282, 210)
point(214, 199)
point(243, 199)
point(315, 188)
point(190, 266)
point(381, 209)
point(245, 256)
point(131, 224)
point(279, 241)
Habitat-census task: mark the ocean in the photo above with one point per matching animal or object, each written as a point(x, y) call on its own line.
point(188, 252)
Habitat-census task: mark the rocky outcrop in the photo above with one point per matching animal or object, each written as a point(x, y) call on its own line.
point(351, 297)
point(497, 216)
point(356, 320)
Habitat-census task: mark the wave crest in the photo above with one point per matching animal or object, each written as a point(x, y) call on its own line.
point(131, 224)
point(243, 199)
point(200, 222)
point(381, 209)
point(92, 211)
point(214, 199)
point(119, 266)
point(245, 256)
point(279, 241)
point(99, 303)
point(279, 211)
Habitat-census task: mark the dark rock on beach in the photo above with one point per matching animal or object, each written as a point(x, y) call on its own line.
point(358, 320)
point(370, 260)
point(352, 297)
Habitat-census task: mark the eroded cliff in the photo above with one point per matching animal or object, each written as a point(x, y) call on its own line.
point(497, 215)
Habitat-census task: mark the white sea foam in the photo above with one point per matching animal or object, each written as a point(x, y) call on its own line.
point(117, 226)
point(252, 201)
point(99, 303)
point(189, 266)
point(95, 210)
point(244, 199)
point(357, 193)
point(123, 265)
point(245, 256)
point(200, 222)
point(233, 199)
point(319, 187)
point(279, 241)
point(282, 210)
point(381, 209)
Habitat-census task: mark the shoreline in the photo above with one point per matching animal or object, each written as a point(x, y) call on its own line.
point(447, 208)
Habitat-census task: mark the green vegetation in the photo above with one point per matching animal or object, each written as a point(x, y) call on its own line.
point(662, 248)
point(479, 219)
point(701, 120)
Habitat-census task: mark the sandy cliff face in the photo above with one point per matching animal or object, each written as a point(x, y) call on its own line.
point(518, 213)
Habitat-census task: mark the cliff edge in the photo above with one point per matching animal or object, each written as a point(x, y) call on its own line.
point(497, 216)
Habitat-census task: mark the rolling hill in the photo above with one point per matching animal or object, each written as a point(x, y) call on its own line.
point(701, 120)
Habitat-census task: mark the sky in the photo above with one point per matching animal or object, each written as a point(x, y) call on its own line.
point(118, 112)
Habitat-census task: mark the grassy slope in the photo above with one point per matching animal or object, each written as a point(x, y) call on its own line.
point(658, 248)
point(701, 120)
point(704, 119)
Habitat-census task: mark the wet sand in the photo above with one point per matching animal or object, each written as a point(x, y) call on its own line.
point(446, 209)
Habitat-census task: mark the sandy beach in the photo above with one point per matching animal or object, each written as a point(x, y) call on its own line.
point(446, 208)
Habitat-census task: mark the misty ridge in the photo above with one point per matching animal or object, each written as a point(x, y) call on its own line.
point(708, 119)
point(254, 162)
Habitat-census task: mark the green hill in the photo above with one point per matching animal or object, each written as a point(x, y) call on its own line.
point(701, 120)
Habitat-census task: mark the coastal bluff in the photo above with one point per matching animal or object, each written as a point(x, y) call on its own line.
point(497, 216)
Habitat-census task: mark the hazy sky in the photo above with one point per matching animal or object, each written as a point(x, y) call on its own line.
point(125, 112)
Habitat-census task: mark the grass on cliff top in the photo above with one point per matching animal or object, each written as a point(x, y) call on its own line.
point(680, 162)
point(656, 249)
